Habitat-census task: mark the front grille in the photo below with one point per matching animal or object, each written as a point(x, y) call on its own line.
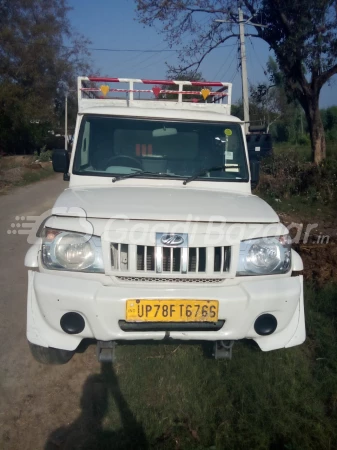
point(169, 280)
point(174, 260)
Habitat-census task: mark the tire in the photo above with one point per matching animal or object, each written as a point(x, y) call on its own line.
point(49, 355)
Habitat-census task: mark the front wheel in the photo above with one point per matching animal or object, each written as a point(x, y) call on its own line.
point(49, 355)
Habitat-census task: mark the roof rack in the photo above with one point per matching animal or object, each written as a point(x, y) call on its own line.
point(102, 91)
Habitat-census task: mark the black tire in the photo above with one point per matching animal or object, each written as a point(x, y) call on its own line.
point(49, 355)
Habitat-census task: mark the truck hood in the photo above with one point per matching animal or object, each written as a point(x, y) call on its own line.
point(163, 203)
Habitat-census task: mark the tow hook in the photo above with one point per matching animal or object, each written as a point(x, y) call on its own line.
point(223, 349)
point(106, 351)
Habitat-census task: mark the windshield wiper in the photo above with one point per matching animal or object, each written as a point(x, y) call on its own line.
point(138, 174)
point(202, 172)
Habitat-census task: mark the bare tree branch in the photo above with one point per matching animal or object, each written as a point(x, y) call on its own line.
point(208, 11)
point(196, 64)
point(325, 76)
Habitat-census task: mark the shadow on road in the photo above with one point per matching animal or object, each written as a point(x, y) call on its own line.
point(87, 432)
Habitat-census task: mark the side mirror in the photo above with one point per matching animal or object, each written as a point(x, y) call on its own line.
point(60, 161)
point(254, 173)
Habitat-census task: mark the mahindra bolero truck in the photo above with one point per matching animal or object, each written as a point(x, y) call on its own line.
point(158, 235)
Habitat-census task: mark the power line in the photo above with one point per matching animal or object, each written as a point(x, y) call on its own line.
point(133, 58)
point(157, 61)
point(225, 62)
point(154, 53)
point(235, 75)
point(117, 50)
point(233, 59)
point(258, 58)
point(127, 50)
point(121, 50)
point(140, 64)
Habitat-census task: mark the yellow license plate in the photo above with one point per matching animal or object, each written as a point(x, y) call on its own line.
point(174, 310)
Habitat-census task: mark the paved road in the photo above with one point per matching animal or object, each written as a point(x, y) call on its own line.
point(34, 399)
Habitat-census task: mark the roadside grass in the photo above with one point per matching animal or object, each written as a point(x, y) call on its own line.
point(26, 176)
point(290, 183)
point(33, 176)
point(300, 206)
point(173, 397)
point(11, 162)
point(303, 152)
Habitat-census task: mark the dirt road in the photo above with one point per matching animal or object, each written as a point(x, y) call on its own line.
point(34, 399)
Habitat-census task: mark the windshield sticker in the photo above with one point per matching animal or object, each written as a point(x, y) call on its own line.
point(229, 155)
point(228, 132)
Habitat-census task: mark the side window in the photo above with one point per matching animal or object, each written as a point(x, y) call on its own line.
point(85, 144)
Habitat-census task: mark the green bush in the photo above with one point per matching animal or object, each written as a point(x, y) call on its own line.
point(331, 135)
point(45, 155)
point(284, 176)
point(304, 140)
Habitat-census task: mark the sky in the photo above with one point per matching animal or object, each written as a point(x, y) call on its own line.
point(112, 24)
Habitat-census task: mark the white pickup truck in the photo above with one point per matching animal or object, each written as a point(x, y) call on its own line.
point(158, 235)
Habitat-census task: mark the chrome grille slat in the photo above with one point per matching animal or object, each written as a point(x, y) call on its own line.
point(184, 260)
point(159, 259)
point(119, 257)
point(222, 259)
point(227, 259)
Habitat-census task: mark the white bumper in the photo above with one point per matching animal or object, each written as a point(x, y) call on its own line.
point(102, 307)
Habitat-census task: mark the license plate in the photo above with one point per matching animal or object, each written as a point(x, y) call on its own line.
point(174, 310)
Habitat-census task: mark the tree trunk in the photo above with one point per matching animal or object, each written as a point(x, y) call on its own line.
point(316, 129)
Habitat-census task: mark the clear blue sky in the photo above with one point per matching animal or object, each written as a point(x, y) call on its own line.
point(112, 24)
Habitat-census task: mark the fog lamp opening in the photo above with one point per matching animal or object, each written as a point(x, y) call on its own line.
point(265, 324)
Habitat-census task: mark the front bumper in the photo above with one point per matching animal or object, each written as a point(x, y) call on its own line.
point(50, 296)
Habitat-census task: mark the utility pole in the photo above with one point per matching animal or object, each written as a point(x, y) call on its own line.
point(245, 95)
point(66, 122)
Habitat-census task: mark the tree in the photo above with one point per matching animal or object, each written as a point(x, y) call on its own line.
point(302, 34)
point(266, 99)
point(270, 102)
point(40, 56)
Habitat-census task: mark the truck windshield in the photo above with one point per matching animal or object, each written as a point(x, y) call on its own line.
point(111, 146)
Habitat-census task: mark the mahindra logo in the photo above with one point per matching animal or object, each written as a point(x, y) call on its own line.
point(172, 239)
point(179, 240)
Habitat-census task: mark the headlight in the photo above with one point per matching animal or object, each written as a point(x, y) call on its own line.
point(67, 250)
point(265, 256)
